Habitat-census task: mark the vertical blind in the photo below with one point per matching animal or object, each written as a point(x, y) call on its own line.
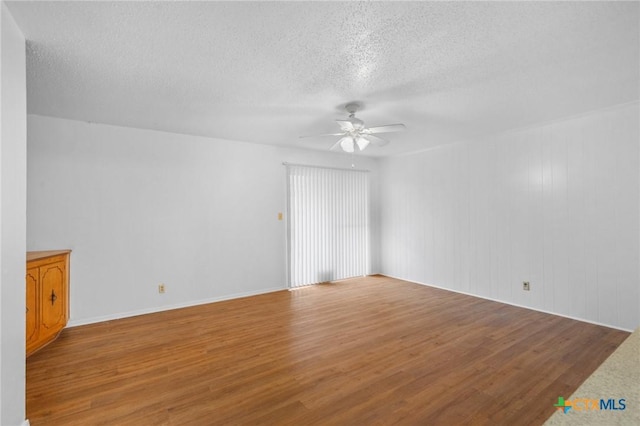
point(328, 224)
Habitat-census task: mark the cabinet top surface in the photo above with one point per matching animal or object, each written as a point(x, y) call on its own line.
point(35, 255)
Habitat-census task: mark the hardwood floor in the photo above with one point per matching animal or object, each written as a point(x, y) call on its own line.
point(366, 351)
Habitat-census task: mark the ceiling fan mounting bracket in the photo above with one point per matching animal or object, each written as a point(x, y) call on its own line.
point(352, 108)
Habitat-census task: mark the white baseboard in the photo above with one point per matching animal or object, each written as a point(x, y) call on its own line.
point(513, 304)
point(25, 423)
point(93, 320)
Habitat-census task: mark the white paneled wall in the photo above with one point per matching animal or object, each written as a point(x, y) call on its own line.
point(556, 205)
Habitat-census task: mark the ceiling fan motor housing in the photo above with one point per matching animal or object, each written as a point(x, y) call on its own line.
point(352, 108)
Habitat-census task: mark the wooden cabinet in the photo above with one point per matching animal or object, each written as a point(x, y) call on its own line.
point(47, 291)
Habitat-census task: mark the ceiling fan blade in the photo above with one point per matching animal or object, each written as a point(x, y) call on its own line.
point(362, 143)
point(336, 146)
point(345, 125)
point(377, 140)
point(386, 129)
point(319, 136)
point(346, 144)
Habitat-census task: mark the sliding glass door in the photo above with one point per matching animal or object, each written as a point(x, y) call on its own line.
point(328, 224)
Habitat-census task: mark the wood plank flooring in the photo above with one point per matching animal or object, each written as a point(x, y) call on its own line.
point(370, 351)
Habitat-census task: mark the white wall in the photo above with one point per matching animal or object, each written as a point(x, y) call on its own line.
point(556, 205)
point(12, 220)
point(140, 207)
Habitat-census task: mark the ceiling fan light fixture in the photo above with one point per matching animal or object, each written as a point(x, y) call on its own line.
point(346, 144)
point(362, 142)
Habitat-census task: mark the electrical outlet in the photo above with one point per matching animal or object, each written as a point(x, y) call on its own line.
point(160, 288)
point(526, 286)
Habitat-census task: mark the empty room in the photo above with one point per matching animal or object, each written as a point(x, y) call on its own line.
point(319, 213)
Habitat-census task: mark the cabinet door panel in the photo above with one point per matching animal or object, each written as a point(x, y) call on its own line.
point(52, 297)
point(33, 307)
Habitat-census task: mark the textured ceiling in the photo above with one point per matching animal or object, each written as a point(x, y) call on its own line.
point(268, 72)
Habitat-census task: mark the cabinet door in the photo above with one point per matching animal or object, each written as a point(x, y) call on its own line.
point(33, 308)
point(53, 298)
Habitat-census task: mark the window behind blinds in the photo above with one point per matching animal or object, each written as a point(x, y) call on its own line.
point(328, 224)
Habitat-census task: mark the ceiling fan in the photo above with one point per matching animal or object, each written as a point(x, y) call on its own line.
point(355, 134)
